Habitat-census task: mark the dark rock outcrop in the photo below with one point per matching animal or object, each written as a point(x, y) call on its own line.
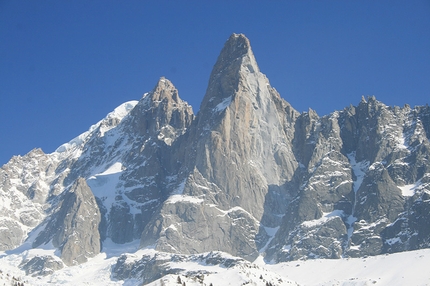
point(41, 265)
point(74, 226)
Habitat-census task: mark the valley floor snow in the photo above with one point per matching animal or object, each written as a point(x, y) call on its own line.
point(407, 268)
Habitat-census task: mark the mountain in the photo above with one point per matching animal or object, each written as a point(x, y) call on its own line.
point(246, 179)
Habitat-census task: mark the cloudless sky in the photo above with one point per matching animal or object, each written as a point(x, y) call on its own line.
point(65, 64)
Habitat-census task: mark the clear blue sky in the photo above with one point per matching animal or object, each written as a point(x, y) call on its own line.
point(65, 64)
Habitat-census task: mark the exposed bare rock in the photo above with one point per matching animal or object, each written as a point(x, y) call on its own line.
point(74, 227)
point(41, 265)
point(239, 158)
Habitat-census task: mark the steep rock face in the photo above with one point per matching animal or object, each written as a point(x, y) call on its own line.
point(242, 144)
point(155, 123)
point(74, 227)
point(411, 230)
point(313, 224)
point(125, 163)
point(378, 196)
point(388, 141)
point(356, 167)
point(239, 158)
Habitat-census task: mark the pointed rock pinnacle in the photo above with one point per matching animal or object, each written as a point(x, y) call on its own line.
point(235, 48)
point(165, 89)
point(234, 62)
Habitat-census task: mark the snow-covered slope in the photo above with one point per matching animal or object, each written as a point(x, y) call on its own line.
point(406, 268)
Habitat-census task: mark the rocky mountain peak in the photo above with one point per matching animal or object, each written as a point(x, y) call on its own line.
point(239, 158)
point(236, 47)
point(234, 65)
point(165, 90)
point(162, 111)
point(164, 93)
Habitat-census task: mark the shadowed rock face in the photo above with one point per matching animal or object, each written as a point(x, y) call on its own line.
point(248, 175)
point(73, 228)
point(355, 163)
point(161, 113)
point(40, 265)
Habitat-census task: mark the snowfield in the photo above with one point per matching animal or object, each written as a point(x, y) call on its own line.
point(406, 268)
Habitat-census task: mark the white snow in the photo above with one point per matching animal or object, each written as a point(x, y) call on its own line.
point(325, 218)
point(406, 268)
point(74, 143)
point(104, 184)
point(402, 142)
point(392, 241)
point(115, 168)
point(118, 113)
point(223, 105)
point(235, 209)
point(73, 146)
point(183, 198)
point(359, 169)
point(180, 189)
point(408, 190)
point(271, 231)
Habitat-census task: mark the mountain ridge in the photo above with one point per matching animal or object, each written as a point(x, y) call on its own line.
point(248, 175)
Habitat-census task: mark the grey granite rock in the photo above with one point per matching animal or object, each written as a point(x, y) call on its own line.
point(41, 265)
point(238, 157)
point(74, 226)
